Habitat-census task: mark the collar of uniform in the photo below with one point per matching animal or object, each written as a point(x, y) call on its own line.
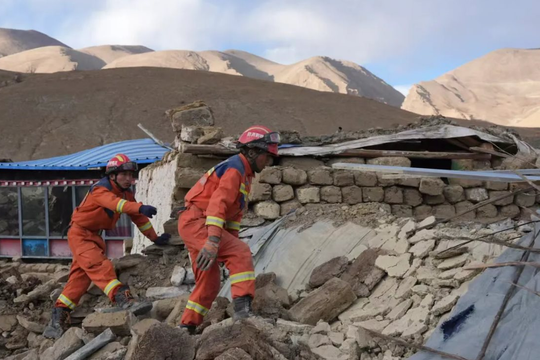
point(116, 189)
point(249, 171)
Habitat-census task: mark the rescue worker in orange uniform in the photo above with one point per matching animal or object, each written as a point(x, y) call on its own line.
point(210, 223)
point(100, 210)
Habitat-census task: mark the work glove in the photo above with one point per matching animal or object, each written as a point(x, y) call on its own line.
point(163, 239)
point(208, 254)
point(148, 210)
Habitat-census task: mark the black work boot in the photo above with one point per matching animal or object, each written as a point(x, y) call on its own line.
point(191, 329)
point(125, 301)
point(242, 308)
point(59, 323)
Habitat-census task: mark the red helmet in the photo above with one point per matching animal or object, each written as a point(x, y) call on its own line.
point(261, 137)
point(119, 163)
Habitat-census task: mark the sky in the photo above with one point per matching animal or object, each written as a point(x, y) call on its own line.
point(401, 41)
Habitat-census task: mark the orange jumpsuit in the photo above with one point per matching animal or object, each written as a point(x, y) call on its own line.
point(100, 210)
point(214, 206)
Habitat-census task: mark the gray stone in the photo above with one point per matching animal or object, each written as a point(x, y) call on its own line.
point(304, 162)
point(405, 287)
point(454, 262)
point(178, 275)
point(343, 178)
point(409, 181)
point(432, 186)
point(373, 194)
point(260, 192)
point(65, 346)
point(322, 327)
point(412, 197)
point(271, 175)
point(320, 176)
point(268, 210)
point(289, 206)
point(444, 211)
point(434, 199)
point(281, 193)
point(506, 201)
point(402, 211)
point(352, 195)
point(119, 322)
point(464, 206)
point(454, 193)
point(295, 177)
point(329, 352)
point(422, 248)
point(496, 185)
point(400, 310)
point(365, 178)
point(331, 194)
point(525, 199)
point(324, 272)
point(487, 211)
point(476, 195)
point(308, 195)
point(8, 323)
point(510, 211)
point(393, 195)
point(31, 325)
point(422, 212)
point(317, 340)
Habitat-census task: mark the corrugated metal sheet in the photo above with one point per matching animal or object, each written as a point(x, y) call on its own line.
point(142, 151)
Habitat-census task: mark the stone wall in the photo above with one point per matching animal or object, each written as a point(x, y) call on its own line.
point(300, 181)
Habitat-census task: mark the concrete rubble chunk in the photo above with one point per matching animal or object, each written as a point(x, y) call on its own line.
point(476, 195)
point(353, 310)
point(234, 354)
point(167, 292)
point(426, 274)
point(137, 331)
point(281, 193)
point(454, 262)
point(162, 342)
point(432, 186)
point(94, 345)
point(65, 346)
point(268, 210)
point(337, 338)
point(271, 175)
point(309, 195)
point(400, 310)
point(325, 303)
point(329, 352)
point(293, 327)
point(322, 327)
point(120, 322)
point(42, 292)
point(405, 287)
point(395, 266)
point(445, 305)
point(178, 275)
point(373, 324)
point(427, 301)
point(420, 289)
point(317, 340)
point(422, 235)
point(422, 248)
point(260, 192)
point(321, 176)
point(8, 322)
point(294, 177)
point(331, 194)
point(449, 274)
point(324, 272)
point(32, 326)
point(465, 275)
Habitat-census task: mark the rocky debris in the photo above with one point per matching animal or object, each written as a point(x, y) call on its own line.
point(66, 345)
point(234, 354)
point(119, 322)
point(167, 292)
point(268, 210)
point(162, 342)
point(271, 175)
point(324, 272)
point(178, 275)
point(362, 274)
point(40, 293)
point(396, 266)
point(93, 345)
point(137, 331)
point(32, 326)
point(325, 303)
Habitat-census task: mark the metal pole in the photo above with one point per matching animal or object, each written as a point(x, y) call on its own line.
point(47, 220)
point(19, 205)
point(157, 141)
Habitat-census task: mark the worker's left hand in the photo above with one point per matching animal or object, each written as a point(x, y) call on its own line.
point(163, 239)
point(208, 254)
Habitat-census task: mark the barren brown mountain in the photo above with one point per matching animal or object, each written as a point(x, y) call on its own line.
point(46, 115)
point(14, 41)
point(502, 87)
point(109, 53)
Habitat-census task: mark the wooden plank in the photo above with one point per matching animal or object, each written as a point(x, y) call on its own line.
point(371, 153)
point(488, 151)
point(498, 265)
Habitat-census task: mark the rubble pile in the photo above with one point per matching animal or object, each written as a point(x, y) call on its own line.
point(400, 286)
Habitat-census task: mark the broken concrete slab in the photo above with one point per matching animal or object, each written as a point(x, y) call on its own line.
point(167, 292)
point(400, 310)
point(454, 262)
point(293, 327)
point(32, 326)
point(42, 292)
point(445, 305)
point(422, 235)
point(325, 303)
point(94, 345)
point(405, 287)
point(317, 340)
point(329, 352)
point(162, 342)
point(271, 301)
point(324, 272)
point(422, 248)
point(363, 271)
point(65, 346)
point(119, 322)
point(137, 331)
point(395, 266)
point(178, 275)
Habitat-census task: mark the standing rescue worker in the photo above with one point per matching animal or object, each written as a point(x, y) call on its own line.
point(100, 210)
point(210, 224)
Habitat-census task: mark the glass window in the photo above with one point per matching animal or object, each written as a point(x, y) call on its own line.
point(33, 211)
point(9, 212)
point(80, 193)
point(60, 209)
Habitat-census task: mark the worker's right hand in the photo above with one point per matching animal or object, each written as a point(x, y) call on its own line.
point(208, 254)
point(148, 210)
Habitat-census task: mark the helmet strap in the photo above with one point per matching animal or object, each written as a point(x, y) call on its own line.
point(251, 154)
point(116, 182)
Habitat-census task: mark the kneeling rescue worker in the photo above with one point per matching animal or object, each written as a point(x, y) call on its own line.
point(100, 210)
point(210, 223)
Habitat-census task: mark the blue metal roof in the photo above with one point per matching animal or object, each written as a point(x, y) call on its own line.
point(142, 151)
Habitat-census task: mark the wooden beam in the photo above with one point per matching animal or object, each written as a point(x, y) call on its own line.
point(488, 151)
point(371, 153)
point(497, 265)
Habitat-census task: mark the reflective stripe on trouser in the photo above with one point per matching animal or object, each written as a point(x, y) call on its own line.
point(89, 265)
point(233, 252)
